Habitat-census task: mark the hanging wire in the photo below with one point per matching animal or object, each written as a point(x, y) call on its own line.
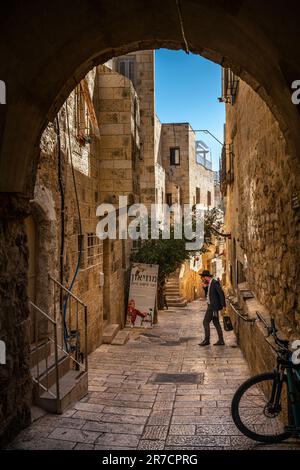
point(186, 46)
point(66, 332)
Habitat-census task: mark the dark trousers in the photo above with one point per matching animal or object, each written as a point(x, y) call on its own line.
point(211, 315)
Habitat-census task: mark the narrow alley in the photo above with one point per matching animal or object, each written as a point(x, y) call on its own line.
point(132, 404)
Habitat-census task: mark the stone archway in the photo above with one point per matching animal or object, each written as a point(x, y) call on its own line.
point(60, 44)
point(49, 50)
point(43, 213)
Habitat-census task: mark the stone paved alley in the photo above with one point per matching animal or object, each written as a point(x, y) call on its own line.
point(126, 409)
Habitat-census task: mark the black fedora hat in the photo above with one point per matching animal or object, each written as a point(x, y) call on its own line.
point(205, 273)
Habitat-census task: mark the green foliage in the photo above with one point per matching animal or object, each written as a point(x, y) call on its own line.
point(170, 254)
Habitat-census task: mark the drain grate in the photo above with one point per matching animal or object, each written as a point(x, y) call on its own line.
point(181, 378)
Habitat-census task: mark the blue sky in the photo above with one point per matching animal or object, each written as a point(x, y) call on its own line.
point(187, 87)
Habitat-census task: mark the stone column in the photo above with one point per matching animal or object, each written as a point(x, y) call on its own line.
point(15, 381)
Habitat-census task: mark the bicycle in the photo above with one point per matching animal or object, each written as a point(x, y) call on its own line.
point(266, 408)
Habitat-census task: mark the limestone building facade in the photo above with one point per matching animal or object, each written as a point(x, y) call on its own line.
point(261, 191)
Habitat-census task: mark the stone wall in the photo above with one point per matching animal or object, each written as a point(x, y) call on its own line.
point(262, 210)
point(118, 115)
point(106, 165)
point(189, 175)
point(15, 383)
point(145, 90)
point(176, 135)
point(85, 158)
point(201, 178)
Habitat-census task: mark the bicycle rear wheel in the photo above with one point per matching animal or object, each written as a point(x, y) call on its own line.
point(253, 412)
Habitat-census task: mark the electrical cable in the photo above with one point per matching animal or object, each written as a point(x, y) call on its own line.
point(66, 334)
point(179, 10)
point(62, 206)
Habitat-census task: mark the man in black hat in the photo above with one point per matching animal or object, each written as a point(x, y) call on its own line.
point(215, 303)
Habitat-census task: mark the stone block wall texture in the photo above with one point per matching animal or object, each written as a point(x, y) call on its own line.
point(145, 90)
point(119, 122)
point(189, 175)
point(86, 168)
point(200, 177)
point(176, 135)
point(15, 382)
point(262, 213)
point(104, 168)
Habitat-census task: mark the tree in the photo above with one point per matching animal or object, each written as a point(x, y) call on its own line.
point(170, 254)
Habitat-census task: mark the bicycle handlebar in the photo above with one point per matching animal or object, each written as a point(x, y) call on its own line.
point(272, 330)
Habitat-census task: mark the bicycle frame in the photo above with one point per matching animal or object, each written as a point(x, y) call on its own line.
point(293, 379)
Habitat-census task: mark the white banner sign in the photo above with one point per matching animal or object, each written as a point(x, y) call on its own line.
point(142, 294)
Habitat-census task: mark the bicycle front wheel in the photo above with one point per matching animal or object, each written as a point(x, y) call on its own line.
point(254, 409)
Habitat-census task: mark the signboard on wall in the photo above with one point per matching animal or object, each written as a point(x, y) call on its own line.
point(142, 295)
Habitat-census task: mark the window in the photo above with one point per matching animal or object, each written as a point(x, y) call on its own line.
point(126, 67)
point(208, 198)
point(198, 196)
point(229, 86)
point(174, 156)
point(169, 199)
point(93, 249)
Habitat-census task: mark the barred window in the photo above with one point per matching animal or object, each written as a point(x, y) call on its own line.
point(93, 250)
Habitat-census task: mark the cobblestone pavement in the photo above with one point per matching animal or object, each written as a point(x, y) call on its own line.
point(127, 409)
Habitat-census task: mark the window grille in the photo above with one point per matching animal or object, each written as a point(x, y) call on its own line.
point(93, 250)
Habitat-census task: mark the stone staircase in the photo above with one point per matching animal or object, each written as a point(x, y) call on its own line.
point(72, 383)
point(59, 362)
point(173, 296)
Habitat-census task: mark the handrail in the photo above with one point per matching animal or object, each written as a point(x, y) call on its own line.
point(66, 352)
point(37, 346)
point(68, 291)
point(43, 387)
point(43, 313)
point(74, 323)
point(246, 319)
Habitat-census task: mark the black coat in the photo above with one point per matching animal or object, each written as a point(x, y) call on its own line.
point(216, 296)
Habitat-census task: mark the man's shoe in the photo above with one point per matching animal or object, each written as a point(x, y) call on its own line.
point(205, 342)
point(219, 343)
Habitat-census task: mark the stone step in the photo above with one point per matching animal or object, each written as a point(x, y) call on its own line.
point(42, 350)
point(46, 371)
point(176, 300)
point(72, 387)
point(121, 338)
point(177, 304)
point(110, 332)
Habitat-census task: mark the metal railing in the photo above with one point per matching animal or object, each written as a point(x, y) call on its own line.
point(48, 330)
point(239, 318)
point(42, 351)
point(72, 313)
point(237, 312)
